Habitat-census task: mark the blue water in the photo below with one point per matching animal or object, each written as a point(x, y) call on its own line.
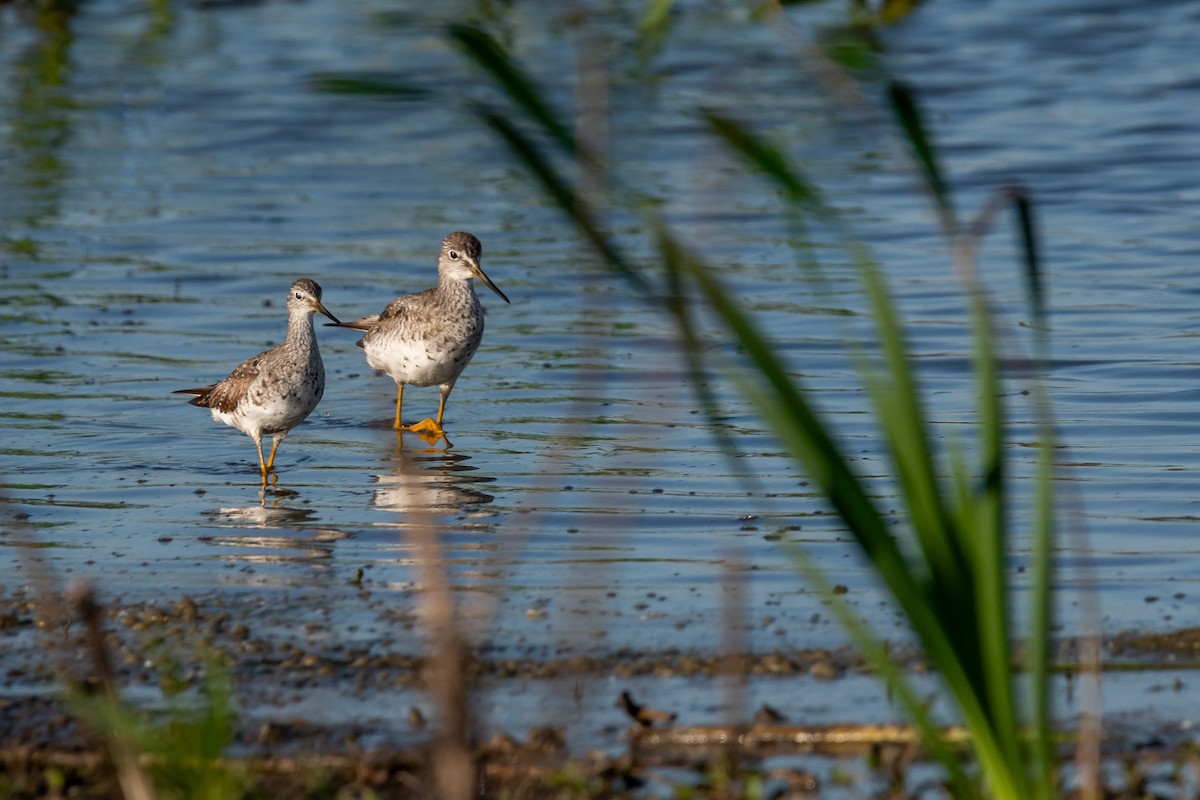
point(168, 171)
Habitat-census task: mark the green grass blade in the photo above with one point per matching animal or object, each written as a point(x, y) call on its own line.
point(990, 510)
point(987, 533)
point(897, 399)
point(783, 406)
point(653, 28)
point(769, 160)
point(908, 116)
point(899, 406)
point(487, 53)
point(1031, 260)
point(878, 658)
point(1041, 622)
point(678, 305)
point(656, 19)
point(952, 554)
point(380, 87)
point(566, 198)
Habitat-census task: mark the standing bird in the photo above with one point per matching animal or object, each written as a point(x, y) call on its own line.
point(427, 339)
point(274, 391)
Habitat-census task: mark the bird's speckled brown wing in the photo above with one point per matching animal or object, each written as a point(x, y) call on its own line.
point(413, 309)
point(401, 313)
point(224, 396)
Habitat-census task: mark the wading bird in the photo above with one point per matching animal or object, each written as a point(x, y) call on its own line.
point(427, 339)
point(274, 391)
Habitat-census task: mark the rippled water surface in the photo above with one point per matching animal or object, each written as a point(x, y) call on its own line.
point(167, 174)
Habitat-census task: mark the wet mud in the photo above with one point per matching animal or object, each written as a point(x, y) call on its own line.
point(160, 651)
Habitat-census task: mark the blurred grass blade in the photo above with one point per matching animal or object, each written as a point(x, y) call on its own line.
point(1041, 623)
point(908, 116)
point(1028, 239)
point(898, 405)
point(576, 209)
point(954, 554)
point(653, 28)
point(372, 85)
point(897, 399)
point(679, 305)
point(566, 198)
point(955, 594)
point(487, 53)
point(876, 654)
point(783, 406)
point(767, 159)
point(992, 570)
point(656, 19)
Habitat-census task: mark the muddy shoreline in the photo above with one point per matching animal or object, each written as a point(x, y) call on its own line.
point(170, 649)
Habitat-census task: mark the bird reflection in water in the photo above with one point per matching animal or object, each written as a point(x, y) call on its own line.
point(431, 481)
point(297, 539)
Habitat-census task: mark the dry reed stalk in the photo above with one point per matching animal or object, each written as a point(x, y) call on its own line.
point(445, 674)
point(56, 615)
point(135, 785)
point(734, 616)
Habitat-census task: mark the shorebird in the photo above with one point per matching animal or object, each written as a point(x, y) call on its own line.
point(427, 338)
point(642, 715)
point(274, 391)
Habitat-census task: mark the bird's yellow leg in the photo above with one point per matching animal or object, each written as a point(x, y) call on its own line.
point(262, 463)
point(442, 406)
point(399, 401)
point(271, 459)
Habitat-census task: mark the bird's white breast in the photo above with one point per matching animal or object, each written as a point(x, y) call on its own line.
point(430, 350)
point(420, 361)
point(278, 402)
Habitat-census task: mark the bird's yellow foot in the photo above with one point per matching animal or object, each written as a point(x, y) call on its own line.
point(429, 431)
point(427, 425)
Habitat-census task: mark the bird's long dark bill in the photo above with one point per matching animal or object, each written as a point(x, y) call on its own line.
point(490, 285)
point(325, 311)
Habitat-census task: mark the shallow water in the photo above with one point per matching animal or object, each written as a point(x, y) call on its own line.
point(167, 176)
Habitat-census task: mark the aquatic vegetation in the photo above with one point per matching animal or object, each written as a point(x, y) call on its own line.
point(949, 575)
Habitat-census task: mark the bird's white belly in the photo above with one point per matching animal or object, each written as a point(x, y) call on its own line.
point(415, 363)
point(266, 411)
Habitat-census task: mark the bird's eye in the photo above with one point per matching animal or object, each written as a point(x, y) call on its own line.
point(299, 296)
point(454, 255)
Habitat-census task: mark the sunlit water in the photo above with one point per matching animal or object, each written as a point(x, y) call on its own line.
point(166, 178)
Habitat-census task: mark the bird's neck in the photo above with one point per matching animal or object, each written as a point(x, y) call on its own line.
point(455, 287)
point(300, 330)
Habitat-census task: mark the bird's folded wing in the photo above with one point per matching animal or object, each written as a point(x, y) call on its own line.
point(224, 396)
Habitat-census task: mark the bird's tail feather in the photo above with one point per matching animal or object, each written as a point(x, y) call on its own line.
point(201, 394)
point(364, 324)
